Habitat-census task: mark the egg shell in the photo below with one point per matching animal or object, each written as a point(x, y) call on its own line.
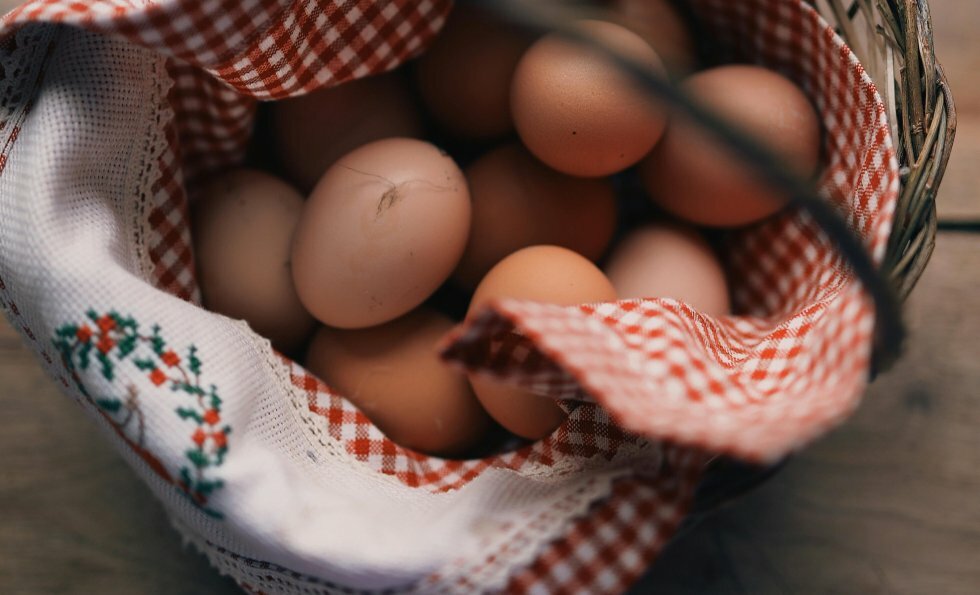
point(519, 202)
point(464, 77)
point(690, 173)
point(549, 274)
point(382, 230)
point(242, 227)
point(393, 374)
point(521, 412)
point(577, 112)
point(661, 25)
point(669, 260)
point(313, 131)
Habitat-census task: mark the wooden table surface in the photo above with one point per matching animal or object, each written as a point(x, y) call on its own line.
point(889, 503)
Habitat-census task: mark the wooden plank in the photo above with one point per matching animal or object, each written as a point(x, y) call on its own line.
point(959, 195)
point(958, 49)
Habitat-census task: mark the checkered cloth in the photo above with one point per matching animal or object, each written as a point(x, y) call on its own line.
point(668, 386)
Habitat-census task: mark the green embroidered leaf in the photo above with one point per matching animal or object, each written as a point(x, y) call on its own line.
point(215, 399)
point(69, 330)
point(188, 388)
point(92, 315)
point(83, 355)
point(127, 345)
point(198, 458)
point(127, 322)
point(185, 476)
point(110, 405)
point(156, 341)
point(108, 370)
point(193, 363)
point(188, 413)
point(144, 363)
point(206, 487)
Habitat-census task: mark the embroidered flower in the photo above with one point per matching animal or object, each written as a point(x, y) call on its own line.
point(105, 344)
point(220, 439)
point(170, 358)
point(211, 417)
point(83, 334)
point(157, 377)
point(199, 436)
point(106, 323)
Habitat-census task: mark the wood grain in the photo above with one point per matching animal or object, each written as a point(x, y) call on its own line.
point(889, 503)
point(958, 48)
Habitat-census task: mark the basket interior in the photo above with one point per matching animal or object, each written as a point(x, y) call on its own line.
point(780, 268)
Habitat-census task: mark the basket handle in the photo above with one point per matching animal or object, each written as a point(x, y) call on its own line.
point(549, 17)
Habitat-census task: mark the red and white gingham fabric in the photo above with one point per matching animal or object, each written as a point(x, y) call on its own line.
point(262, 48)
point(758, 385)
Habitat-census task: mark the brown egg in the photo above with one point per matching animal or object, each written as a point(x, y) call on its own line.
point(464, 78)
point(243, 227)
point(546, 274)
point(381, 231)
point(393, 374)
point(694, 177)
point(518, 202)
point(577, 112)
point(669, 260)
point(313, 131)
point(660, 24)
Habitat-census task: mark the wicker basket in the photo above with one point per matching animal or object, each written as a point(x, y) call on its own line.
point(894, 41)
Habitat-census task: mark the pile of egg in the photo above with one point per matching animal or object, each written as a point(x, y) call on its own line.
point(335, 245)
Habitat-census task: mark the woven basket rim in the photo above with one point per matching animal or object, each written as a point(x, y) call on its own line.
point(923, 118)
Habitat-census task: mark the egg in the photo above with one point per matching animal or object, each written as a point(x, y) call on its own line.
point(393, 374)
point(382, 230)
point(313, 131)
point(663, 27)
point(669, 260)
point(691, 175)
point(549, 274)
point(242, 227)
point(518, 202)
point(577, 112)
point(464, 77)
